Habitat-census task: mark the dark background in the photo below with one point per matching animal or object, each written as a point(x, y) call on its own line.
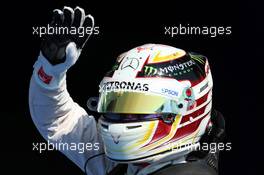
point(233, 58)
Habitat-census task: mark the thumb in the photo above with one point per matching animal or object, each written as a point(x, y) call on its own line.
point(72, 54)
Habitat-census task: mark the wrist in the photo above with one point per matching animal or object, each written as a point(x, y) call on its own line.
point(48, 76)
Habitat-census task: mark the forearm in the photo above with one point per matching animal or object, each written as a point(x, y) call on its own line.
point(49, 107)
point(59, 119)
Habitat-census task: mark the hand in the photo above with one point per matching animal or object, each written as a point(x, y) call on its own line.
point(55, 47)
point(59, 51)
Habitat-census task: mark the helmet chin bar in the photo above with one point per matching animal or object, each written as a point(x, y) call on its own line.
point(178, 155)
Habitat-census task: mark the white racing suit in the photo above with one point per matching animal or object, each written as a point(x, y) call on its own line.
point(60, 120)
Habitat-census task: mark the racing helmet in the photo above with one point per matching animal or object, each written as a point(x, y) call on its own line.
point(154, 102)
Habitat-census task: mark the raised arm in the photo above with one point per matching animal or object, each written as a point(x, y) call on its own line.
point(57, 117)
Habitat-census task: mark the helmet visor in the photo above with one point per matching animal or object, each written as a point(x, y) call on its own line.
point(130, 117)
point(167, 118)
point(128, 102)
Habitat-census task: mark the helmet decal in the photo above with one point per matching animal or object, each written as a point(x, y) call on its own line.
point(176, 55)
point(155, 99)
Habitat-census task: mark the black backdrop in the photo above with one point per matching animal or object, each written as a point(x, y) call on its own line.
point(233, 58)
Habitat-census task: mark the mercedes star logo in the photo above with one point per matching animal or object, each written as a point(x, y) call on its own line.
point(132, 63)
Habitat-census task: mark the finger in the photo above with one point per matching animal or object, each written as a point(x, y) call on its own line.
point(68, 16)
point(88, 22)
point(57, 17)
point(79, 16)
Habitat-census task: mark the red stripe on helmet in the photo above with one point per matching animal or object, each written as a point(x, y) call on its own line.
point(193, 114)
point(163, 129)
point(185, 131)
point(188, 129)
point(198, 112)
point(202, 99)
